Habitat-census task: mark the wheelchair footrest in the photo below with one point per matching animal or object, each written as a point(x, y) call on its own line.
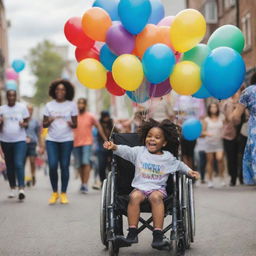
point(120, 241)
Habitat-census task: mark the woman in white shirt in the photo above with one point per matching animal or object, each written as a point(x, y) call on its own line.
point(13, 121)
point(60, 117)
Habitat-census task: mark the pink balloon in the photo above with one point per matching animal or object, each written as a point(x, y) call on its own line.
point(166, 21)
point(178, 56)
point(11, 74)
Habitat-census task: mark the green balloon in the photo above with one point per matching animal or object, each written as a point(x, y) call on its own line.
point(197, 54)
point(227, 35)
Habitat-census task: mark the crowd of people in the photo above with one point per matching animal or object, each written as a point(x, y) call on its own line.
point(228, 139)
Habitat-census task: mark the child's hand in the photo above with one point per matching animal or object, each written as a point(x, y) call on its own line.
point(194, 174)
point(109, 145)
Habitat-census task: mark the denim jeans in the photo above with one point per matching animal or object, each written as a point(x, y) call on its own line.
point(59, 153)
point(202, 163)
point(15, 153)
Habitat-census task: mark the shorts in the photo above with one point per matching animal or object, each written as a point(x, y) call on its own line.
point(31, 149)
point(149, 192)
point(82, 155)
point(187, 147)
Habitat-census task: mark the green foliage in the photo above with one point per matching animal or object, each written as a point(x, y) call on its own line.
point(46, 65)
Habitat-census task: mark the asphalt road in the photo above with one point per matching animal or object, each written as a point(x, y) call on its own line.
point(226, 223)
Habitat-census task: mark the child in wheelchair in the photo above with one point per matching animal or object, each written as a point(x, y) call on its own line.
point(153, 163)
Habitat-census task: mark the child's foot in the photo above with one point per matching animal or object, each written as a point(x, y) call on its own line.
point(63, 198)
point(158, 240)
point(21, 194)
point(54, 198)
point(132, 236)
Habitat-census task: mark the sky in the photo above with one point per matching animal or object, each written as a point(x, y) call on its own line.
point(33, 21)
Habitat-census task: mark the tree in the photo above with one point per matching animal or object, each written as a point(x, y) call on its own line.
point(46, 65)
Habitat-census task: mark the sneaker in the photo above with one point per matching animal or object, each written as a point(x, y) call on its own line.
point(12, 193)
point(132, 236)
point(21, 194)
point(223, 183)
point(54, 198)
point(96, 186)
point(158, 240)
point(63, 198)
point(84, 189)
point(210, 184)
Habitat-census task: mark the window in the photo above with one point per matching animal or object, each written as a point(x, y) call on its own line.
point(229, 3)
point(211, 12)
point(247, 31)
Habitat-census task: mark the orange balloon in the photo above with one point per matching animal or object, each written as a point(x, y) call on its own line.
point(95, 23)
point(164, 36)
point(147, 38)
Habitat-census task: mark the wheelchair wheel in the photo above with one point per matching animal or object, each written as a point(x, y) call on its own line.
point(191, 211)
point(113, 249)
point(103, 209)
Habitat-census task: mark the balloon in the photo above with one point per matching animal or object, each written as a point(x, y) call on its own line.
point(134, 14)
point(128, 72)
point(157, 11)
point(18, 65)
point(112, 87)
point(164, 36)
point(110, 6)
point(227, 35)
point(119, 40)
point(187, 30)
point(202, 93)
point(197, 54)
point(11, 74)
point(166, 21)
point(191, 129)
point(147, 38)
point(75, 35)
point(185, 78)
point(223, 72)
point(11, 85)
point(140, 95)
point(92, 74)
point(158, 62)
point(82, 54)
point(95, 23)
point(159, 90)
point(107, 58)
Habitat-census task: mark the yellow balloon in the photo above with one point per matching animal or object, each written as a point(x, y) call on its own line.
point(187, 30)
point(185, 78)
point(127, 71)
point(91, 73)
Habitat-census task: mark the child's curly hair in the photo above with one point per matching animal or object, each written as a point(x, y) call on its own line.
point(170, 130)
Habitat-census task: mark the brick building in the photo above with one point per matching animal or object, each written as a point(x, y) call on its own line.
point(241, 13)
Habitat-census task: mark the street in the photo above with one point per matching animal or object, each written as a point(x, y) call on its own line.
point(226, 223)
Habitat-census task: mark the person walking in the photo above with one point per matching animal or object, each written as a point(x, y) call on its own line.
point(60, 117)
point(213, 126)
point(83, 142)
point(33, 139)
point(248, 101)
point(13, 121)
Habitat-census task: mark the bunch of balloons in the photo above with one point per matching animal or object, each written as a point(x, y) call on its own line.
point(129, 46)
point(12, 74)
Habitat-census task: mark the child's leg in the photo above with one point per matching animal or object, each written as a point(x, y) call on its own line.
point(136, 198)
point(209, 165)
point(157, 206)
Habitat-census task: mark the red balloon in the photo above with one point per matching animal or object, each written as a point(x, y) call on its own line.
point(112, 87)
point(75, 35)
point(82, 54)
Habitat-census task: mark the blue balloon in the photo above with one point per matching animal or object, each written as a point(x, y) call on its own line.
point(107, 57)
point(11, 85)
point(18, 65)
point(136, 97)
point(157, 12)
point(158, 62)
point(223, 72)
point(191, 129)
point(110, 6)
point(134, 14)
point(202, 93)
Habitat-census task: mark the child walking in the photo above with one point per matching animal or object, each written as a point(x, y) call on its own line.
point(153, 163)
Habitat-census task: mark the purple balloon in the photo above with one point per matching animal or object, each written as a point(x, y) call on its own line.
point(159, 90)
point(119, 40)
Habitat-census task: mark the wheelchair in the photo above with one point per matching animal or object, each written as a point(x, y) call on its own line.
point(116, 188)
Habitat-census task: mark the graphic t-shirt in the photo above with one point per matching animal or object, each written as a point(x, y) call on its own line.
point(83, 132)
point(151, 170)
point(12, 116)
point(59, 130)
